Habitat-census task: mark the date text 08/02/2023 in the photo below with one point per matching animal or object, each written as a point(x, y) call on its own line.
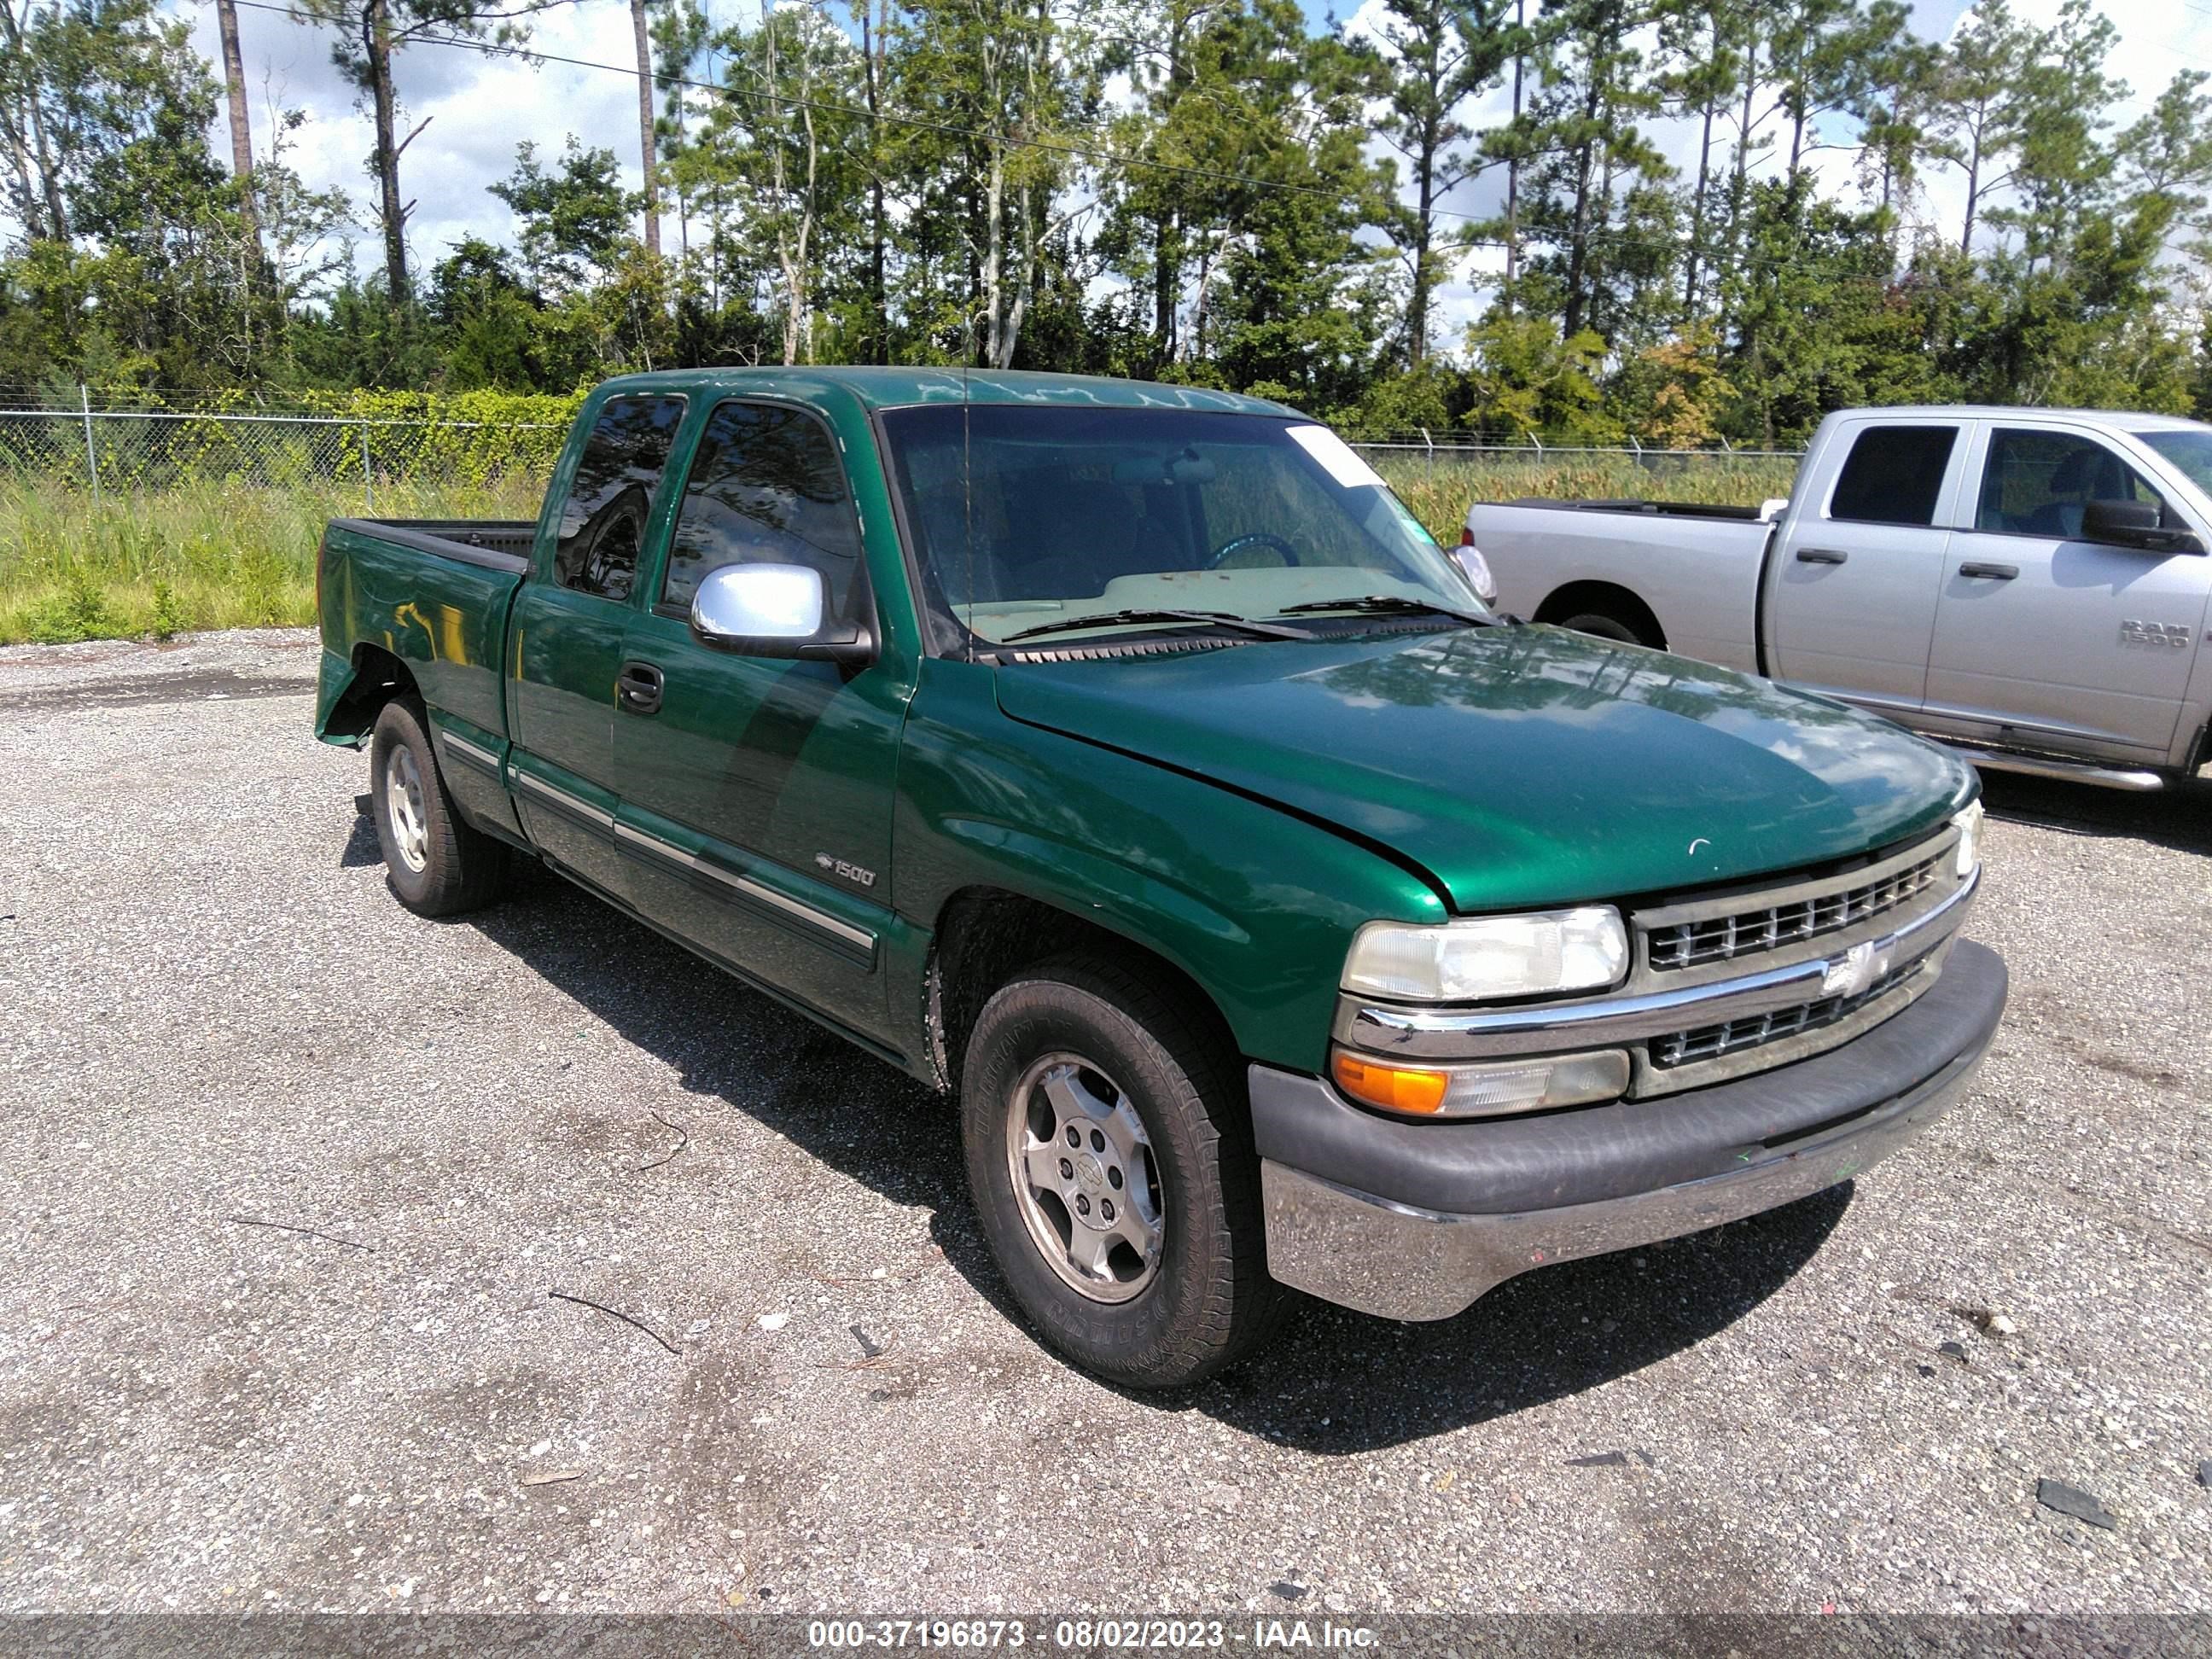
point(1113, 1634)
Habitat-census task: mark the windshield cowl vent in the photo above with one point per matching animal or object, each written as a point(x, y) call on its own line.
point(1167, 648)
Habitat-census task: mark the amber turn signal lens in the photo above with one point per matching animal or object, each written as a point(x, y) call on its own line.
point(1393, 1088)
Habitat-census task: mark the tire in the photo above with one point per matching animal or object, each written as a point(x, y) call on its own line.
point(434, 864)
point(1603, 625)
point(1170, 1155)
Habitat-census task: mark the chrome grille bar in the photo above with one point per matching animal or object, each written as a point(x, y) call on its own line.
point(1692, 935)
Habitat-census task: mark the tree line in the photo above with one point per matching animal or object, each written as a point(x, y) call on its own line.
point(1681, 220)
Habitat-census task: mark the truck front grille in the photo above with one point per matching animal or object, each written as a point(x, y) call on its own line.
point(1755, 930)
point(1730, 1036)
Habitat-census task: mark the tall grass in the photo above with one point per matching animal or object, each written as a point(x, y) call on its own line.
point(237, 554)
point(200, 555)
point(1439, 492)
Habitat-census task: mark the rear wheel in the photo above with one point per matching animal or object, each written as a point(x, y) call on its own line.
point(434, 864)
point(1111, 1157)
point(1604, 625)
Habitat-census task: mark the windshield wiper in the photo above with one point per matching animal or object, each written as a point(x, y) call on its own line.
point(1216, 619)
point(1397, 603)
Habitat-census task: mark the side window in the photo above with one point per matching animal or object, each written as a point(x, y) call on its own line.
point(2038, 483)
point(603, 521)
point(767, 487)
point(1894, 475)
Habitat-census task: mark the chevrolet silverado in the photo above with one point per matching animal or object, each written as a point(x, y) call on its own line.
point(1125, 761)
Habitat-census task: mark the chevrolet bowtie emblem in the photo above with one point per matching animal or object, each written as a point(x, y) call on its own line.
point(1861, 965)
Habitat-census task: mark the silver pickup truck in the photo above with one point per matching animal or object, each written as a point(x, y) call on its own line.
point(2029, 584)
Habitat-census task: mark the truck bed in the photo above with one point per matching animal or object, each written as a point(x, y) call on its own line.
point(1697, 567)
point(1636, 504)
point(433, 594)
point(470, 540)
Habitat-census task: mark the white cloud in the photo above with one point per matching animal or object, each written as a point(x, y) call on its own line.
point(479, 108)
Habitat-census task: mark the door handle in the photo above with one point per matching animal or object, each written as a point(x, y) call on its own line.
point(637, 688)
point(1995, 572)
point(1821, 556)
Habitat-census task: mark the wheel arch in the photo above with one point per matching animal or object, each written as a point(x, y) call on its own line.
point(985, 935)
point(376, 677)
point(1607, 599)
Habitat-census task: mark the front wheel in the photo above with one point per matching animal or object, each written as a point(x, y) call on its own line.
point(1110, 1158)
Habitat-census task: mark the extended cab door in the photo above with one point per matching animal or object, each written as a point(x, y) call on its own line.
point(1850, 594)
point(565, 634)
point(757, 793)
point(2046, 640)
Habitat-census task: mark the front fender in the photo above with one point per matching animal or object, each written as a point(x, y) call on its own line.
point(1256, 905)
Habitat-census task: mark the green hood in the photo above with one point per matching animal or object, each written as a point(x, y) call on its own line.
point(1520, 767)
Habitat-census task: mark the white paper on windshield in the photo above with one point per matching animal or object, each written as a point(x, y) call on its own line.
point(1335, 456)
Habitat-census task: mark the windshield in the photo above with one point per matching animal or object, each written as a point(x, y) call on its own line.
point(2189, 449)
point(1025, 517)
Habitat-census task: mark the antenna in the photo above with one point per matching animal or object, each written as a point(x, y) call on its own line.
point(968, 478)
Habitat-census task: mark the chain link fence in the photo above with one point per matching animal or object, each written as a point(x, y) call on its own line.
point(110, 451)
point(106, 452)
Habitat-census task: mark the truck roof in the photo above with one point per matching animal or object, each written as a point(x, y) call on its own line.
point(894, 387)
point(2127, 420)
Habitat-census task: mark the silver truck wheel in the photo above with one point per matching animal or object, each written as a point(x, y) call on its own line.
point(1109, 1150)
point(435, 861)
point(1083, 1174)
point(403, 804)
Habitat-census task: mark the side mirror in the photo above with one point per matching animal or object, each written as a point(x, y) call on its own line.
point(772, 610)
point(1476, 569)
point(2135, 524)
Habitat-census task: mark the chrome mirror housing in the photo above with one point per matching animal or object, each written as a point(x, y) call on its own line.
point(774, 610)
point(739, 603)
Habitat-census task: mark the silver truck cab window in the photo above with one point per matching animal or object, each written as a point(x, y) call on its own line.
point(2037, 483)
point(610, 499)
point(1894, 475)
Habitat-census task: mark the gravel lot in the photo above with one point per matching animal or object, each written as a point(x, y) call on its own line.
point(211, 1010)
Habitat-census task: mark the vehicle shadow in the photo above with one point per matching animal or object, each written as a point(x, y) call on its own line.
point(361, 849)
point(1336, 1382)
point(2178, 817)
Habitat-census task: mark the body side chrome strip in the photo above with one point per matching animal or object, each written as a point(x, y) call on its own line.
point(537, 786)
point(473, 752)
point(751, 889)
point(1541, 1030)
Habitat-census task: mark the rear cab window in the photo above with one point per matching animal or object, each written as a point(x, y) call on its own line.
point(1894, 475)
point(603, 521)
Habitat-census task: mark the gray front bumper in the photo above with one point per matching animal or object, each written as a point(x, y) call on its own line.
point(1401, 1258)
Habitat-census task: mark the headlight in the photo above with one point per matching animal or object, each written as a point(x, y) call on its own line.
point(1483, 959)
point(1969, 840)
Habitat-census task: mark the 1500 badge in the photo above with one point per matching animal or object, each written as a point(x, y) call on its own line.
point(851, 872)
point(2174, 636)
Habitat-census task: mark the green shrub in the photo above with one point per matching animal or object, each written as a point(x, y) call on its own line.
point(168, 619)
point(76, 609)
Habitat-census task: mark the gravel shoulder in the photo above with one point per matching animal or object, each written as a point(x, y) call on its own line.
point(293, 1174)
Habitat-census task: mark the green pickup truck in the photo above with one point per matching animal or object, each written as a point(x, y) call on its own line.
point(1125, 760)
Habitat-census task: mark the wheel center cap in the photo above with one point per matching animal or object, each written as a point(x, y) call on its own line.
point(1088, 1175)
